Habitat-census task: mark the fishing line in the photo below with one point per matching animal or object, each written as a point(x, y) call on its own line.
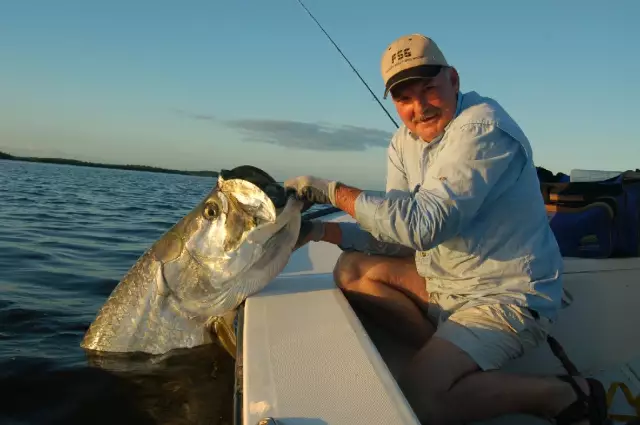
point(349, 62)
point(330, 210)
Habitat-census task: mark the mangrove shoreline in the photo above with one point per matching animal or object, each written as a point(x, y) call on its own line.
point(543, 174)
point(64, 161)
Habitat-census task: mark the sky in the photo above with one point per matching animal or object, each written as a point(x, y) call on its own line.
point(216, 84)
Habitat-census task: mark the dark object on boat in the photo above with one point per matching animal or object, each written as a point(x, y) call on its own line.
point(547, 176)
point(595, 219)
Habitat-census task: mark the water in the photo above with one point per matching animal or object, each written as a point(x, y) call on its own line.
point(67, 236)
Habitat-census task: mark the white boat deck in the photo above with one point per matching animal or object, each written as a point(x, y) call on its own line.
point(307, 359)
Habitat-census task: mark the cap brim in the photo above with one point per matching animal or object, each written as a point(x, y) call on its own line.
point(417, 72)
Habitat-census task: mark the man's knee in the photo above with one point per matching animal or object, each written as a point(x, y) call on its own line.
point(347, 270)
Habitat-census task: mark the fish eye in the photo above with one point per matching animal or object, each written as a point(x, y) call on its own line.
point(211, 211)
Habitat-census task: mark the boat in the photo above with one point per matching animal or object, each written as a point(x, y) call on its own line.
point(305, 356)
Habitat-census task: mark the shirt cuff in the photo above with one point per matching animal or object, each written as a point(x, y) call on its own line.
point(352, 237)
point(366, 207)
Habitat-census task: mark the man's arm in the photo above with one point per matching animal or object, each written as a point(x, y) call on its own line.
point(350, 236)
point(464, 173)
point(396, 181)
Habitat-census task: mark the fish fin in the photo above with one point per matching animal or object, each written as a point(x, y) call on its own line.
point(222, 326)
point(275, 256)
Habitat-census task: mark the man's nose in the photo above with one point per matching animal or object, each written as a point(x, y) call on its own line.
point(420, 104)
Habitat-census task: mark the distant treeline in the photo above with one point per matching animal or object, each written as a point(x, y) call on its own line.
point(64, 161)
point(543, 173)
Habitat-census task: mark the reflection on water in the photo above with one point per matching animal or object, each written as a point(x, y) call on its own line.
point(186, 387)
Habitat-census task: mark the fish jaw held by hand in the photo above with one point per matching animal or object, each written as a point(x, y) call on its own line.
point(227, 248)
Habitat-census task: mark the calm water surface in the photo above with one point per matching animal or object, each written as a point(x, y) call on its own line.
point(67, 236)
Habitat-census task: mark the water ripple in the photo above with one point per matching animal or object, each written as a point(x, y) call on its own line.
point(67, 236)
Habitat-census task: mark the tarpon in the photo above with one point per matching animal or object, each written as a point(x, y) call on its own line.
point(231, 245)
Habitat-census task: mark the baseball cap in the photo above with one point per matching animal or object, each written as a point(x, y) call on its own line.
point(410, 56)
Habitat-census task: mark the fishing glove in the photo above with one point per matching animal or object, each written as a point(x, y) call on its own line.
point(313, 189)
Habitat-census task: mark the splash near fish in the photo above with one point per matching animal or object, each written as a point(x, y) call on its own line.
point(184, 290)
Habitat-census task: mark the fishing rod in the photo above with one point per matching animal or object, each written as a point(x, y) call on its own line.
point(330, 210)
point(349, 62)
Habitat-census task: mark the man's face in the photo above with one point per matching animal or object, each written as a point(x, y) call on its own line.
point(427, 105)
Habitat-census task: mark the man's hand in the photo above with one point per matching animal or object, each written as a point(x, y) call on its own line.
point(313, 189)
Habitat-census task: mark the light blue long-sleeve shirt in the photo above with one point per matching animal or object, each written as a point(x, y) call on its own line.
point(468, 206)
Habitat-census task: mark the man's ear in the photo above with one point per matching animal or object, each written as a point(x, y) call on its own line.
point(454, 78)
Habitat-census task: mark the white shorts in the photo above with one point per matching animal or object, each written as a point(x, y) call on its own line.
point(491, 334)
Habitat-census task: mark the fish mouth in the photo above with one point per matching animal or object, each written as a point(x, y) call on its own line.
point(278, 195)
point(249, 173)
point(261, 179)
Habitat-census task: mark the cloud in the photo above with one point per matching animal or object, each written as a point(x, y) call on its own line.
point(195, 116)
point(302, 135)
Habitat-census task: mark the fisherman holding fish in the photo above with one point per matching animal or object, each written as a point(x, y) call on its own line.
point(458, 255)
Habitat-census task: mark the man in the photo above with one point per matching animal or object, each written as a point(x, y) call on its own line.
point(458, 256)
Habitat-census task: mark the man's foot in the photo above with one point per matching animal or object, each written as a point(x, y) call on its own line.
point(586, 404)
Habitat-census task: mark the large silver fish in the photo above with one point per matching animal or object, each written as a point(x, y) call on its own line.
point(228, 247)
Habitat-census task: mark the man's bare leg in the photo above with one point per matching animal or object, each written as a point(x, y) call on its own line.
point(445, 386)
point(389, 290)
